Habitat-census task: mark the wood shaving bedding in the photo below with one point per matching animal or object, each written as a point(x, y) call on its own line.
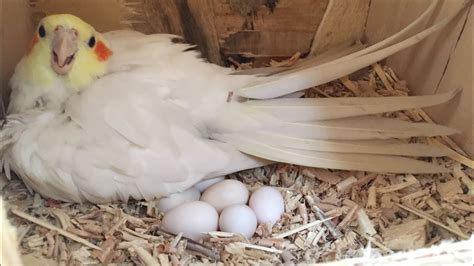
point(329, 215)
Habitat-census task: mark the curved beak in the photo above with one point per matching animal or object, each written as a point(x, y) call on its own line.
point(64, 50)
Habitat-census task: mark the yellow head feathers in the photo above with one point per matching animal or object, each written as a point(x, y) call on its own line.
point(65, 49)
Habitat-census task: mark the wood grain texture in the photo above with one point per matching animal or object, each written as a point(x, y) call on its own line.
point(263, 31)
point(287, 15)
point(257, 43)
point(200, 28)
point(16, 31)
point(459, 73)
point(343, 23)
point(426, 65)
point(211, 24)
point(150, 16)
point(417, 64)
point(406, 236)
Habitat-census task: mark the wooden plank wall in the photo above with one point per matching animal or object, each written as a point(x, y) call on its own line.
point(342, 24)
point(440, 63)
point(222, 28)
point(105, 15)
point(250, 28)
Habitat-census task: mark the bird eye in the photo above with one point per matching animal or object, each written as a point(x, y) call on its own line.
point(41, 31)
point(91, 42)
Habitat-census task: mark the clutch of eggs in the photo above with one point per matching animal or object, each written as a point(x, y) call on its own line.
point(184, 213)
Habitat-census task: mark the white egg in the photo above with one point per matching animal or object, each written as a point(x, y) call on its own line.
point(238, 219)
point(176, 199)
point(226, 193)
point(268, 205)
point(193, 219)
point(203, 185)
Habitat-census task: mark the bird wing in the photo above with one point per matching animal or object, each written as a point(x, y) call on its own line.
point(152, 136)
point(138, 132)
point(116, 143)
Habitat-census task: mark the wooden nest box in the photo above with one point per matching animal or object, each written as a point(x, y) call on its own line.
point(260, 30)
point(236, 32)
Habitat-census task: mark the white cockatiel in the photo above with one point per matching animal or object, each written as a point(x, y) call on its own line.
point(105, 117)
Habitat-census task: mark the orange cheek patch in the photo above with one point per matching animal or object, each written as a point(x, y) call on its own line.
point(34, 41)
point(103, 52)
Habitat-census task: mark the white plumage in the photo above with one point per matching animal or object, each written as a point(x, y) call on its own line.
point(160, 120)
point(140, 131)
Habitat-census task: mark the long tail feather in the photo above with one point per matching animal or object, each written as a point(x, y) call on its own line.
point(396, 37)
point(360, 128)
point(311, 109)
point(339, 133)
point(333, 54)
point(382, 147)
point(339, 54)
point(278, 85)
point(360, 162)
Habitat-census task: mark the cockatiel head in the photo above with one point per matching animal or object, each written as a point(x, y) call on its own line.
point(65, 47)
point(66, 53)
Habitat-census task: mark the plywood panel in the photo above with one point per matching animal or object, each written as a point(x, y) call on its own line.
point(459, 74)
point(425, 65)
point(105, 15)
point(389, 16)
point(343, 23)
point(15, 34)
point(422, 65)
